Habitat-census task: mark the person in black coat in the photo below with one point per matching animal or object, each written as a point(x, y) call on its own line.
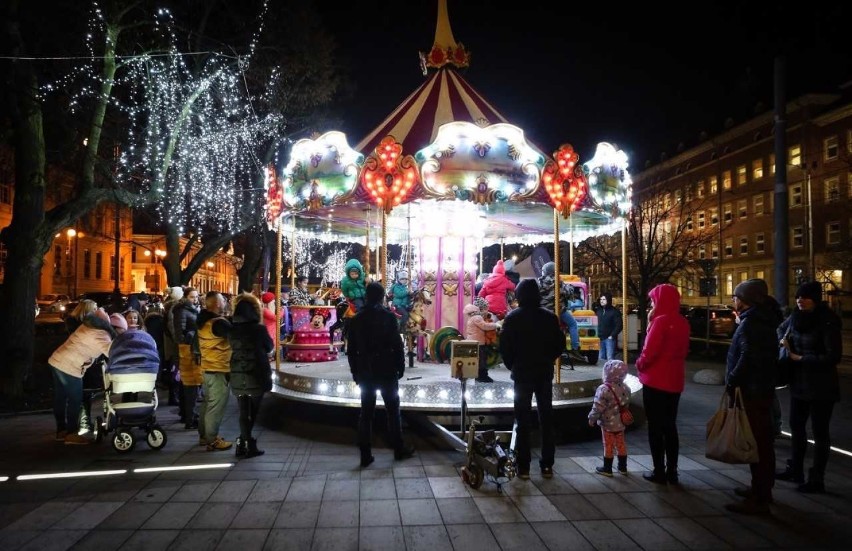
point(609, 326)
point(377, 362)
point(530, 342)
point(812, 337)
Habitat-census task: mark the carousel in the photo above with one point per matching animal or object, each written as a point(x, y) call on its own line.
point(443, 176)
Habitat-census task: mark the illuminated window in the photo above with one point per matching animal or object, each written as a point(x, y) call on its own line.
point(772, 164)
point(832, 190)
point(742, 208)
point(757, 204)
point(729, 247)
point(743, 276)
point(744, 246)
point(699, 189)
point(757, 169)
point(701, 220)
point(714, 216)
point(797, 235)
point(760, 243)
point(726, 179)
point(832, 233)
point(796, 198)
point(714, 185)
point(727, 213)
point(729, 284)
point(87, 263)
point(742, 175)
point(794, 155)
point(760, 274)
point(702, 252)
point(714, 250)
point(689, 223)
point(830, 148)
point(99, 264)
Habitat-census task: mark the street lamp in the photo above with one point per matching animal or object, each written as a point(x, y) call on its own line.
point(71, 233)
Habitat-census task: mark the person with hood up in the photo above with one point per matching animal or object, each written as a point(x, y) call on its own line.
point(812, 337)
point(353, 285)
point(610, 398)
point(661, 367)
point(494, 290)
point(251, 376)
point(530, 342)
point(609, 326)
point(476, 329)
point(68, 363)
point(400, 297)
point(752, 366)
point(377, 363)
point(547, 286)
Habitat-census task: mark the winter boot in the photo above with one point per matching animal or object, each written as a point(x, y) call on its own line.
point(791, 474)
point(671, 475)
point(483, 377)
point(622, 464)
point(606, 470)
point(240, 448)
point(814, 485)
point(252, 450)
point(366, 456)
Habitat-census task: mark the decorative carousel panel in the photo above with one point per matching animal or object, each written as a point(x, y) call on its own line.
point(564, 181)
point(388, 177)
point(321, 172)
point(481, 165)
point(610, 184)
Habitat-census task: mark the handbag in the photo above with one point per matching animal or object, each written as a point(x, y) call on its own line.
point(729, 435)
point(785, 364)
point(625, 413)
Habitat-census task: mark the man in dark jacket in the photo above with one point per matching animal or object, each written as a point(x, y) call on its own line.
point(377, 362)
point(752, 366)
point(530, 342)
point(609, 326)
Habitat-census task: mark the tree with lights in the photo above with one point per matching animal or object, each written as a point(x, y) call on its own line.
point(196, 133)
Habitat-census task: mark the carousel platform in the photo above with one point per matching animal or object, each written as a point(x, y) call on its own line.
point(428, 387)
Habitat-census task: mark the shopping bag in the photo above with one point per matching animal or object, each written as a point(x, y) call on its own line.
point(729, 436)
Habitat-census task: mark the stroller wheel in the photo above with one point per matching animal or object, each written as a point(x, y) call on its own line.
point(475, 476)
point(157, 437)
point(99, 429)
point(123, 441)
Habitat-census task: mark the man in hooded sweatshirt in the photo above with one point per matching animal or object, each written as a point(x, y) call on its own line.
point(609, 326)
point(530, 342)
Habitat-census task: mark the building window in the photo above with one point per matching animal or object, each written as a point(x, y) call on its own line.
point(689, 223)
point(87, 264)
point(760, 274)
point(794, 155)
point(742, 209)
point(798, 237)
point(687, 193)
point(757, 203)
point(796, 198)
point(133, 254)
point(714, 185)
point(743, 276)
point(714, 250)
point(726, 179)
point(677, 196)
point(57, 261)
point(729, 284)
point(832, 190)
point(760, 243)
point(742, 175)
point(832, 233)
point(99, 265)
point(121, 270)
point(743, 245)
point(772, 164)
point(702, 252)
point(729, 247)
point(112, 267)
point(830, 148)
point(728, 213)
point(757, 169)
point(701, 220)
point(714, 216)
point(699, 189)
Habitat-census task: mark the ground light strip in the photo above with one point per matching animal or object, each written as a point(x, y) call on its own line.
point(81, 474)
point(4, 478)
point(838, 450)
point(69, 475)
point(184, 468)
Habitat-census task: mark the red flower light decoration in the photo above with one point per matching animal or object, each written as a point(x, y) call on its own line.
point(388, 177)
point(274, 196)
point(564, 180)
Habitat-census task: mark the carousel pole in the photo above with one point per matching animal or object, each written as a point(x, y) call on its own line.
point(571, 244)
point(557, 367)
point(293, 255)
point(278, 311)
point(624, 331)
point(384, 264)
point(367, 246)
point(408, 253)
point(378, 245)
point(501, 248)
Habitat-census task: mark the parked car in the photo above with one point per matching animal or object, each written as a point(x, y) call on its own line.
point(103, 300)
point(723, 321)
point(53, 302)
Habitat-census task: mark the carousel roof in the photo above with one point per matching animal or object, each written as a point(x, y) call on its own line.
point(445, 97)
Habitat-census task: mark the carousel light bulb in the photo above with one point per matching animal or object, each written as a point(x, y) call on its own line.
point(323, 387)
point(443, 394)
point(510, 394)
point(467, 395)
point(340, 389)
point(400, 392)
point(488, 394)
point(421, 393)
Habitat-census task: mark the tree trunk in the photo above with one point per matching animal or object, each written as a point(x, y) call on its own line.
point(253, 254)
point(172, 261)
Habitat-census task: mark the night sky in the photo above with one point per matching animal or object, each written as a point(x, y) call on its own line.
point(638, 75)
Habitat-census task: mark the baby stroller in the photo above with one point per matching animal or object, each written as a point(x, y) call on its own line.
point(130, 392)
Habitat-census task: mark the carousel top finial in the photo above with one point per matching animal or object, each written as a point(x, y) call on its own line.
point(445, 50)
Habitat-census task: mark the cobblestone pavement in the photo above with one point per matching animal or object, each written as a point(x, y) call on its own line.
point(307, 492)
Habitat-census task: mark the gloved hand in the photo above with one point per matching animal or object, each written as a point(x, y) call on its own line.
point(197, 359)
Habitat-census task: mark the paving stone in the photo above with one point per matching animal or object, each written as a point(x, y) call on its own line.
point(53, 540)
point(496, 510)
point(335, 539)
point(419, 512)
point(735, 532)
point(689, 503)
point(244, 540)
point(256, 515)
point(409, 472)
point(130, 516)
point(648, 534)
point(381, 538)
point(306, 489)
point(413, 488)
point(446, 487)
point(614, 506)
point(13, 539)
point(289, 539)
point(214, 515)
point(384, 512)
point(441, 471)
point(45, 516)
point(558, 536)
point(338, 514)
point(518, 536)
point(427, 538)
point(576, 507)
point(298, 514)
point(233, 491)
point(472, 537)
point(98, 540)
point(270, 490)
point(195, 491)
point(150, 540)
point(554, 486)
point(172, 516)
point(461, 510)
point(158, 491)
point(604, 534)
point(691, 533)
point(340, 490)
point(378, 489)
point(88, 515)
point(586, 483)
point(651, 504)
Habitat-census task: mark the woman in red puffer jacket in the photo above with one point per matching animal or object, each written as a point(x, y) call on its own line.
point(661, 369)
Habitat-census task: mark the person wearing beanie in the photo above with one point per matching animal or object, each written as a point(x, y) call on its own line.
point(611, 398)
point(483, 332)
point(547, 285)
point(530, 343)
point(661, 366)
point(494, 290)
point(812, 337)
point(400, 297)
point(751, 367)
point(118, 323)
point(68, 364)
point(377, 362)
point(268, 311)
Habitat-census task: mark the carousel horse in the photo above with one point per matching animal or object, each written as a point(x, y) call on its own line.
point(416, 325)
point(344, 314)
